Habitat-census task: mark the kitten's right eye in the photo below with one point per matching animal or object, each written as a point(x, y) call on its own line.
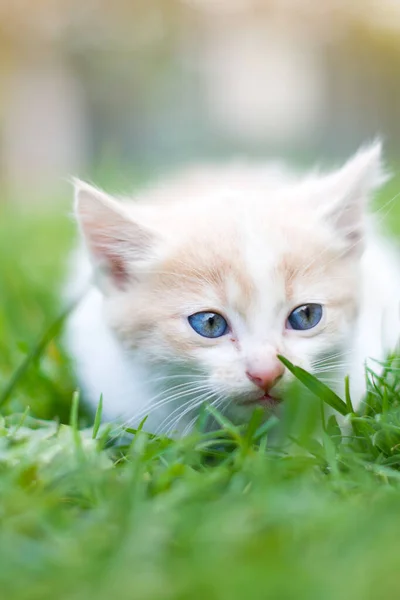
point(305, 317)
point(208, 324)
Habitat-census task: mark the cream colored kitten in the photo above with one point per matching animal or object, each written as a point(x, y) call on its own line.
point(204, 279)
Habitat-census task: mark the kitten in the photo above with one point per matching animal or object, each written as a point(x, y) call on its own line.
point(203, 280)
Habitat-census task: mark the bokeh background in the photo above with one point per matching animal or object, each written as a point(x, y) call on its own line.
point(127, 87)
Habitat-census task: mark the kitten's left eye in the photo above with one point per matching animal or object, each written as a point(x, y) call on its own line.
point(208, 324)
point(305, 317)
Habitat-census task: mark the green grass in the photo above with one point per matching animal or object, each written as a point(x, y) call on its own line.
point(260, 511)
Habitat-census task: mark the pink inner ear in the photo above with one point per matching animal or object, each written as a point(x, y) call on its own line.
point(105, 249)
point(117, 269)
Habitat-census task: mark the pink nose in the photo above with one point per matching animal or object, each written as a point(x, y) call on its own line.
point(266, 377)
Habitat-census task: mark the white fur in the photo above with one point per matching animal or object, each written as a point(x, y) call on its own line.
point(246, 209)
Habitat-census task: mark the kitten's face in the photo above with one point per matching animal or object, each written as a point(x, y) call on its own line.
point(218, 287)
point(252, 281)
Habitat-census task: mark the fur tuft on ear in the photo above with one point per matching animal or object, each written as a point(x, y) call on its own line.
point(348, 191)
point(113, 239)
point(364, 172)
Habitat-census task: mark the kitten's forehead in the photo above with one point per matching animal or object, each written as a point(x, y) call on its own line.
point(244, 262)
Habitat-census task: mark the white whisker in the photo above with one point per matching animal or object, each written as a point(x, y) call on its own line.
point(150, 407)
point(196, 403)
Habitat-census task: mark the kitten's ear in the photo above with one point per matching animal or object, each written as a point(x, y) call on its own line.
point(348, 191)
point(114, 240)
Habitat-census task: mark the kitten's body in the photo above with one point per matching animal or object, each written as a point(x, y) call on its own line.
point(250, 243)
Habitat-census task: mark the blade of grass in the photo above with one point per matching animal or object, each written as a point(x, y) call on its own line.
point(224, 422)
point(254, 425)
point(315, 386)
point(349, 403)
point(97, 418)
point(265, 428)
point(333, 430)
point(201, 423)
point(75, 426)
point(50, 333)
point(22, 420)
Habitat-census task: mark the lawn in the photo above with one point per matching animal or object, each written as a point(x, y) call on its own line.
point(263, 511)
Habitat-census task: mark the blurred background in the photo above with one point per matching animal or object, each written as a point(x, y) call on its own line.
point(96, 88)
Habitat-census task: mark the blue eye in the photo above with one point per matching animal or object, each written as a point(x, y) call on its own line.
point(305, 317)
point(208, 324)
